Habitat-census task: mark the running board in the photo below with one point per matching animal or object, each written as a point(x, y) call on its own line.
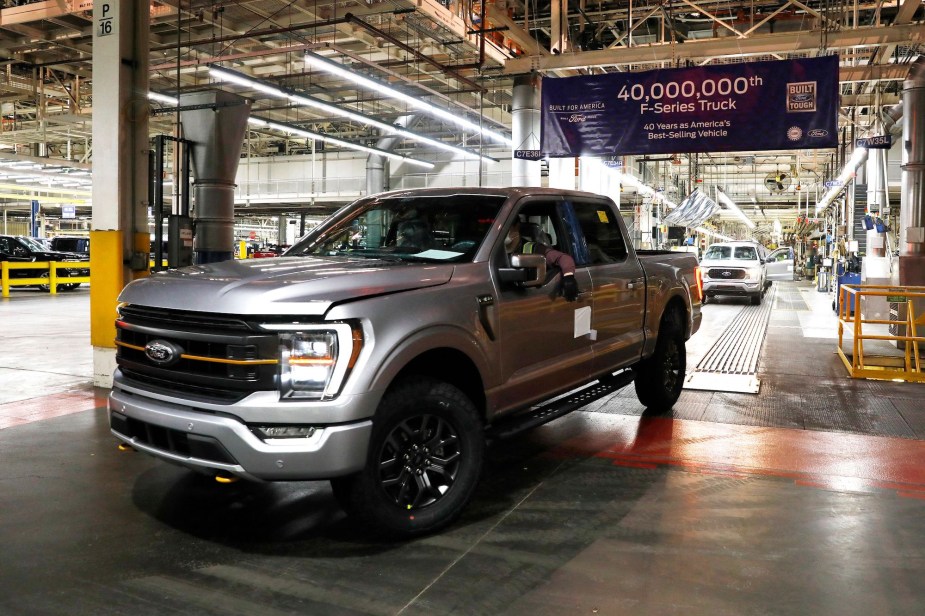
point(558, 407)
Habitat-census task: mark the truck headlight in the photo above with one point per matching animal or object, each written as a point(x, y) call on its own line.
point(754, 273)
point(314, 360)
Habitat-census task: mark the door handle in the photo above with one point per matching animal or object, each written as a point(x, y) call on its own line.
point(632, 283)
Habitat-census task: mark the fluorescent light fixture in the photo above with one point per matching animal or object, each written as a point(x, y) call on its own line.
point(628, 179)
point(706, 231)
point(735, 208)
point(844, 178)
point(334, 68)
point(308, 101)
point(295, 130)
point(162, 98)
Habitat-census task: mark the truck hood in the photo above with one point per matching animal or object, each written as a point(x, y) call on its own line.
point(281, 286)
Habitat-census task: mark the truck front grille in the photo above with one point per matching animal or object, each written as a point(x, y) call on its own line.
point(217, 358)
point(726, 273)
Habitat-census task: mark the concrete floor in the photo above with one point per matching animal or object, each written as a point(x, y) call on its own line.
point(808, 498)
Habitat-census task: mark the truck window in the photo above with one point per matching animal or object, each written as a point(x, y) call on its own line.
point(718, 253)
point(745, 253)
point(430, 228)
point(602, 233)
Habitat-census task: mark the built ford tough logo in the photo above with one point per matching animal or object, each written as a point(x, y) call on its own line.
point(163, 353)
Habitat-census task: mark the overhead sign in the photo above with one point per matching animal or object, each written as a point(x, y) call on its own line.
point(106, 23)
point(787, 104)
point(68, 211)
point(880, 142)
point(528, 154)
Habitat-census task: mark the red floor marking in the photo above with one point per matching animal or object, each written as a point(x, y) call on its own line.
point(849, 462)
point(52, 405)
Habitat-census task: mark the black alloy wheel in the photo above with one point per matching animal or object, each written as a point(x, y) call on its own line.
point(660, 378)
point(419, 461)
point(423, 462)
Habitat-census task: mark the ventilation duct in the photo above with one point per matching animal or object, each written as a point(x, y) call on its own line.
point(214, 122)
point(693, 211)
point(912, 210)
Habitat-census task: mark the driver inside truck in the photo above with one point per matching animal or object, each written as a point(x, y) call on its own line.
point(524, 238)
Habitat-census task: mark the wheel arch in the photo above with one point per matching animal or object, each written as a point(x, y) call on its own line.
point(450, 366)
point(443, 354)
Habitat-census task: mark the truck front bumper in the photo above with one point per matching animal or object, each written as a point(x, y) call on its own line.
point(712, 288)
point(214, 443)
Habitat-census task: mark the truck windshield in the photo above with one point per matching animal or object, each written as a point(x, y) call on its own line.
point(32, 244)
point(420, 228)
point(720, 253)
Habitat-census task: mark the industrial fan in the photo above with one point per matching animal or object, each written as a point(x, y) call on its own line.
point(778, 182)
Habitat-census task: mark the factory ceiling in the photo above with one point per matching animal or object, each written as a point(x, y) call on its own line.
point(438, 51)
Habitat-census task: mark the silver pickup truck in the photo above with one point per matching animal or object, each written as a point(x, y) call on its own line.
point(388, 345)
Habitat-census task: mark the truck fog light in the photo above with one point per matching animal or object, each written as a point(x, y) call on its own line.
point(271, 432)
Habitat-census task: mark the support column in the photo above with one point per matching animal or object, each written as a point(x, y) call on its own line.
point(525, 130)
point(282, 224)
point(912, 210)
point(119, 233)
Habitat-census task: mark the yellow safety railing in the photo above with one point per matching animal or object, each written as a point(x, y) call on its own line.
point(53, 279)
point(905, 367)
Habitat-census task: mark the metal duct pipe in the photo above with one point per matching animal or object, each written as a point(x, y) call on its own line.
point(912, 210)
point(214, 122)
point(377, 179)
point(876, 197)
point(525, 130)
point(890, 118)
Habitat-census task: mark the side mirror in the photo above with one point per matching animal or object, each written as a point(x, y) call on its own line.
point(526, 270)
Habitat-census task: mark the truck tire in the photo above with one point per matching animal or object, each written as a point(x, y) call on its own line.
point(660, 378)
point(756, 299)
point(423, 462)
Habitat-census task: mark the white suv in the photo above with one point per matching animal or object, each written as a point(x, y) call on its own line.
point(734, 268)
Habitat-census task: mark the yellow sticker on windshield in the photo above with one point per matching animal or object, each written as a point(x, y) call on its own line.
point(602, 216)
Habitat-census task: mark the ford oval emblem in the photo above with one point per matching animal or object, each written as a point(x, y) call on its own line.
point(163, 353)
point(818, 132)
point(727, 273)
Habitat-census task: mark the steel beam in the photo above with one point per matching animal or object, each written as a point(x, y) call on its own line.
point(720, 47)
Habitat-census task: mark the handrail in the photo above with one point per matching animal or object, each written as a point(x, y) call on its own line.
point(882, 367)
point(53, 280)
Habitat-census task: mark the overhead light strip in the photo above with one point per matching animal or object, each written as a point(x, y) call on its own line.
point(230, 76)
point(735, 208)
point(334, 68)
point(706, 231)
point(301, 132)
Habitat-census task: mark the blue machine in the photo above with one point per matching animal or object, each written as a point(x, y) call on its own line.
point(846, 278)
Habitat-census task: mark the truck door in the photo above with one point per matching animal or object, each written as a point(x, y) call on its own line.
point(540, 353)
point(617, 284)
point(779, 265)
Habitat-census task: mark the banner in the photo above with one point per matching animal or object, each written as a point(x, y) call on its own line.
point(779, 105)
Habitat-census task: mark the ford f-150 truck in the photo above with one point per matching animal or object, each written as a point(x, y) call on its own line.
point(383, 348)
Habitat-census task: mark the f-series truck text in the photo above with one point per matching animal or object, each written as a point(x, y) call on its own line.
point(385, 348)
